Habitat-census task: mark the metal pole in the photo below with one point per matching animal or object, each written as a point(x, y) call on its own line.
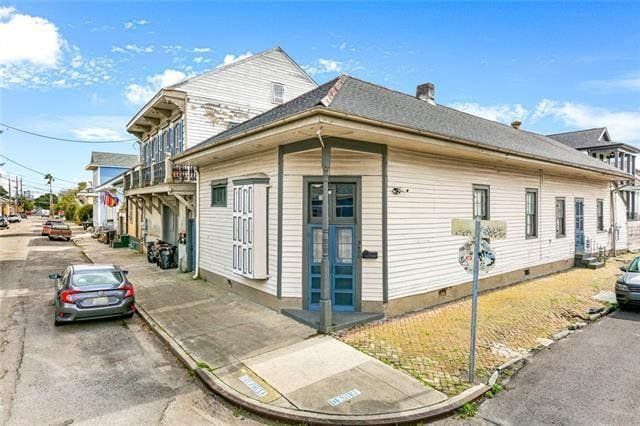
point(325, 285)
point(474, 302)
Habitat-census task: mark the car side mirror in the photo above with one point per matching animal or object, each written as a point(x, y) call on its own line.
point(125, 272)
point(623, 268)
point(54, 276)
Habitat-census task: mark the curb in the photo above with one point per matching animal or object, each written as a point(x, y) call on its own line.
point(303, 416)
point(234, 397)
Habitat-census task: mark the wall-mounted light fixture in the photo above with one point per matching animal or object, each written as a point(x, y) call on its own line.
point(397, 190)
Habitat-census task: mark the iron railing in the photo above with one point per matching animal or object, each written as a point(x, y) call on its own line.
point(158, 173)
point(183, 174)
point(135, 179)
point(146, 176)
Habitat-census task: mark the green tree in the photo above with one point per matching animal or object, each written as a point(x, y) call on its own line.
point(84, 213)
point(68, 202)
point(3, 191)
point(27, 204)
point(43, 201)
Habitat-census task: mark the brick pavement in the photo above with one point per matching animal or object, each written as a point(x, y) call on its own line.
point(433, 345)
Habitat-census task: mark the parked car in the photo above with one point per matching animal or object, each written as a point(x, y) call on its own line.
point(60, 231)
point(92, 291)
point(628, 285)
point(4, 224)
point(47, 226)
point(13, 218)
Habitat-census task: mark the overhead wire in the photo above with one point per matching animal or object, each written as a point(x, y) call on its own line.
point(35, 171)
point(40, 135)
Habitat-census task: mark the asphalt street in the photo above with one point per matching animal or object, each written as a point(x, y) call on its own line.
point(99, 372)
point(589, 378)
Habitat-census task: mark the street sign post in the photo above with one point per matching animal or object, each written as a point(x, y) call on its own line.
point(481, 260)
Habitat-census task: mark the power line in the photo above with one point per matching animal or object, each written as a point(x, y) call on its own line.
point(34, 171)
point(40, 135)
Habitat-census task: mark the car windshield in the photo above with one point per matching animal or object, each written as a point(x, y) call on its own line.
point(635, 265)
point(90, 278)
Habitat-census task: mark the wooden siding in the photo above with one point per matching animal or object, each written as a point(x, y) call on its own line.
point(423, 256)
point(343, 163)
point(239, 92)
point(216, 226)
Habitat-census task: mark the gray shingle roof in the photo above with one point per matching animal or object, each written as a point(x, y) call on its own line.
point(113, 159)
point(359, 98)
point(582, 138)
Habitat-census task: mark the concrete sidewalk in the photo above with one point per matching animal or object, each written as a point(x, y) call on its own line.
point(265, 361)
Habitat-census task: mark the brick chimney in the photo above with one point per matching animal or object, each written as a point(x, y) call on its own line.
point(516, 124)
point(426, 92)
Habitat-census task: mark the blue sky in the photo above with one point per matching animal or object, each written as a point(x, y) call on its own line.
point(81, 70)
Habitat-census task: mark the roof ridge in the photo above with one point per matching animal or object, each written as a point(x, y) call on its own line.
point(333, 91)
point(577, 131)
point(224, 67)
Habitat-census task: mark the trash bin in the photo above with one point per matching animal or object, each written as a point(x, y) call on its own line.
point(166, 257)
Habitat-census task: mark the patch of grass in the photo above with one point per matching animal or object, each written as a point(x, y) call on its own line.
point(239, 412)
point(204, 366)
point(495, 389)
point(470, 409)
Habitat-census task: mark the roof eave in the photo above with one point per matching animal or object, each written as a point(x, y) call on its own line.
point(324, 111)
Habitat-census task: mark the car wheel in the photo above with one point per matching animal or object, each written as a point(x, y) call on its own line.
point(50, 238)
point(68, 239)
point(621, 305)
point(127, 316)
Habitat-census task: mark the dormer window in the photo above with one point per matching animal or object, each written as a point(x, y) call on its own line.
point(277, 91)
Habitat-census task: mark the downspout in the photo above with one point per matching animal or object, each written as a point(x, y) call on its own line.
point(613, 220)
point(196, 274)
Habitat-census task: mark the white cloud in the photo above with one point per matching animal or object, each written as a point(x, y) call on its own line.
point(503, 113)
point(231, 58)
point(622, 125)
point(199, 59)
point(139, 94)
point(130, 25)
point(324, 66)
point(629, 82)
point(201, 49)
point(97, 134)
point(26, 38)
point(133, 48)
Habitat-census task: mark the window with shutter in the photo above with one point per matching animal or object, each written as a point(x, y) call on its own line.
point(249, 227)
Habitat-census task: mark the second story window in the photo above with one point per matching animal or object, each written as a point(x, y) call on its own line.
point(600, 214)
point(277, 95)
point(178, 136)
point(531, 213)
point(481, 202)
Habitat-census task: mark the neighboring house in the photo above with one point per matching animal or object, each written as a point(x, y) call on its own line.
point(598, 144)
point(160, 196)
point(399, 168)
point(5, 206)
point(110, 196)
point(105, 166)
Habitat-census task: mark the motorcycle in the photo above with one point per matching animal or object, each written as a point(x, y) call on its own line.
point(4, 224)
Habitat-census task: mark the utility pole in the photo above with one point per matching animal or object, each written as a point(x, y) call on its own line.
point(49, 178)
point(9, 180)
point(15, 200)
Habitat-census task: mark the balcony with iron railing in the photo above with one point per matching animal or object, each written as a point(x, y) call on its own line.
point(146, 176)
point(159, 173)
point(156, 174)
point(183, 174)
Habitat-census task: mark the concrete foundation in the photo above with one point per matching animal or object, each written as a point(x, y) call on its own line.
point(405, 304)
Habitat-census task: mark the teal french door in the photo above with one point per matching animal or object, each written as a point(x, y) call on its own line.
point(342, 246)
point(579, 225)
point(341, 266)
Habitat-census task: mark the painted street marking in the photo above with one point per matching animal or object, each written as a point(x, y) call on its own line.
point(337, 400)
point(251, 384)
